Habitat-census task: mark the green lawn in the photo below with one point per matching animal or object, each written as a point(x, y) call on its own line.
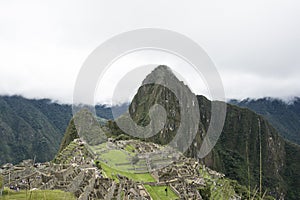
point(112, 173)
point(37, 195)
point(115, 156)
point(120, 159)
point(158, 192)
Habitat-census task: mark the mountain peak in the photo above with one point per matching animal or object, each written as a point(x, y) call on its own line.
point(160, 75)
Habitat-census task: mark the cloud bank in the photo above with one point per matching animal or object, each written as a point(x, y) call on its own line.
point(255, 44)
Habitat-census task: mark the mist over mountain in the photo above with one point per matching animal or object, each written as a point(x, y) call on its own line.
point(249, 150)
point(32, 128)
point(283, 115)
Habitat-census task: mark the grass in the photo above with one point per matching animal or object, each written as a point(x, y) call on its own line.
point(115, 157)
point(112, 173)
point(120, 159)
point(158, 192)
point(36, 195)
point(129, 148)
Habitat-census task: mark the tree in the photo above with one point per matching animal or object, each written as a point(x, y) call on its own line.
point(1, 185)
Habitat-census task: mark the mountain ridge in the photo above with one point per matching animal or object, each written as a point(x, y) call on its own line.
point(284, 116)
point(246, 138)
point(32, 128)
point(249, 149)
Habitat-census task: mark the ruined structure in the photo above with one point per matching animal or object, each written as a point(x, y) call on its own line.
point(74, 170)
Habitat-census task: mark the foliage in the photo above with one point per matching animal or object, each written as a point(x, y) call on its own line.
point(285, 117)
point(217, 188)
point(34, 128)
point(130, 149)
point(26, 132)
point(237, 152)
point(292, 171)
point(1, 184)
point(70, 135)
point(98, 164)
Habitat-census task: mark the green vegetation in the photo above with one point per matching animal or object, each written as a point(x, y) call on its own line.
point(114, 157)
point(122, 160)
point(37, 195)
point(34, 128)
point(1, 185)
point(224, 188)
point(27, 131)
point(249, 150)
point(284, 117)
point(158, 192)
point(1, 181)
point(268, 162)
point(216, 188)
point(260, 165)
point(70, 135)
point(292, 170)
point(129, 148)
point(112, 173)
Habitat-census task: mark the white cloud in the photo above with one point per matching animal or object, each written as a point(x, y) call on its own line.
point(254, 44)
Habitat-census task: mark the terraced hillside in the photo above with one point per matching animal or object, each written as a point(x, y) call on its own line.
point(77, 171)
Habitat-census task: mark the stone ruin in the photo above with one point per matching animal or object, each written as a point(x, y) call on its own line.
point(82, 178)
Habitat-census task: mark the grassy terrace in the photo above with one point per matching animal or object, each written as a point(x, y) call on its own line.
point(120, 159)
point(158, 192)
point(112, 173)
point(37, 195)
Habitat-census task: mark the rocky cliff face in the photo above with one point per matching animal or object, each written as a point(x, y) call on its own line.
point(249, 149)
point(182, 113)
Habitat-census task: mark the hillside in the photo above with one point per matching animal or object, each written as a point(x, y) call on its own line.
point(237, 153)
point(31, 128)
point(285, 117)
point(109, 173)
point(249, 150)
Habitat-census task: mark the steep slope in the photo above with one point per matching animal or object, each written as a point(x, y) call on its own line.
point(25, 132)
point(85, 126)
point(34, 128)
point(70, 135)
point(249, 149)
point(285, 117)
point(150, 94)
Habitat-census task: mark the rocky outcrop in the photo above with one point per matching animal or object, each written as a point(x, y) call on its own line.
point(249, 150)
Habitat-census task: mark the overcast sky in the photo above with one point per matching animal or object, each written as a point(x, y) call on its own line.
point(255, 44)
